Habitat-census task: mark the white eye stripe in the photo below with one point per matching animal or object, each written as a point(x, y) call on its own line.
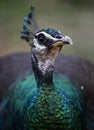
point(47, 35)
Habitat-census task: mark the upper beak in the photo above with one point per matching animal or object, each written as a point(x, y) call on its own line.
point(62, 41)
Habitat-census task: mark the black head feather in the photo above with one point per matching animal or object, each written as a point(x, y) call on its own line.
point(53, 32)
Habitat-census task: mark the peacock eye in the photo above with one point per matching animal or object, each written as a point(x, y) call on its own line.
point(41, 38)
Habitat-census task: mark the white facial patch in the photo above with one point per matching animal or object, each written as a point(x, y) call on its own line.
point(42, 47)
point(38, 46)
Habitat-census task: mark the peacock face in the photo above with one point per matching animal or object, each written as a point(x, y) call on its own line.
point(49, 40)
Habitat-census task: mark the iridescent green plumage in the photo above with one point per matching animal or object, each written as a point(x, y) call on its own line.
point(58, 107)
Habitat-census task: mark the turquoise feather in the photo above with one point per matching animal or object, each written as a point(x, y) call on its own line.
point(58, 107)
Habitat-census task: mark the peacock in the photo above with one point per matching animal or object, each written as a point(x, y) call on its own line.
point(45, 100)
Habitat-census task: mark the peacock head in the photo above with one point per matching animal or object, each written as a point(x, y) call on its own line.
point(47, 42)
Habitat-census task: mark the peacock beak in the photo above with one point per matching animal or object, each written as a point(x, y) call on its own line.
point(62, 41)
point(67, 40)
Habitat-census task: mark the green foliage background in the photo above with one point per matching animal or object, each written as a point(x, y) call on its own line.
point(72, 17)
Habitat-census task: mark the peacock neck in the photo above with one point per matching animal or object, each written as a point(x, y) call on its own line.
point(43, 70)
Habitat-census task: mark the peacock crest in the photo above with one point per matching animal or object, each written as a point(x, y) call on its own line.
point(30, 26)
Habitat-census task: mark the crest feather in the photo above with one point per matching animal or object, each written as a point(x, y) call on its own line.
point(30, 26)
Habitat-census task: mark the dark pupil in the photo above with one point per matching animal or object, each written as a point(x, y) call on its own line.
point(41, 38)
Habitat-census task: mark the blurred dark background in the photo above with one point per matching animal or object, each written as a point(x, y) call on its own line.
point(72, 17)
